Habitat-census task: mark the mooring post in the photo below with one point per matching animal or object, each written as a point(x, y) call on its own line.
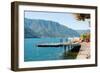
point(68, 47)
point(64, 48)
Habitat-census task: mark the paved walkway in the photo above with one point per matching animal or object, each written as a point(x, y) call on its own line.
point(84, 52)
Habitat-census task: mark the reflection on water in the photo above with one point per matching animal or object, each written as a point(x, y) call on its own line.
point(34, 53)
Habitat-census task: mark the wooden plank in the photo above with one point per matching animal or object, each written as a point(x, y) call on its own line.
point(49, 45)
point(57, 44)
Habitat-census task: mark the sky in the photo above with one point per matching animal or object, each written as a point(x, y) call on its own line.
point(67, 19)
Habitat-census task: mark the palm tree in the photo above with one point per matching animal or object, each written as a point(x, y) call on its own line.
point(83, 17)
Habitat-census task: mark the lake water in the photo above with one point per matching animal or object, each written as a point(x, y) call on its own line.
point(34, 53)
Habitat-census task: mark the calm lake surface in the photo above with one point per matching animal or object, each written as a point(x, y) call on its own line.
point(34, 53)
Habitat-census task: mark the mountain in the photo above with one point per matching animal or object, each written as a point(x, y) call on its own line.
point(83, 31)
point(35, 28)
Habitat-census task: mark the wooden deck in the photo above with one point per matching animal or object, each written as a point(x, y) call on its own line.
point(58, 44)
point(66, 45)
point(84, 52)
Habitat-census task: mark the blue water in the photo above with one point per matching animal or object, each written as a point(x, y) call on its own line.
point(34, 53)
